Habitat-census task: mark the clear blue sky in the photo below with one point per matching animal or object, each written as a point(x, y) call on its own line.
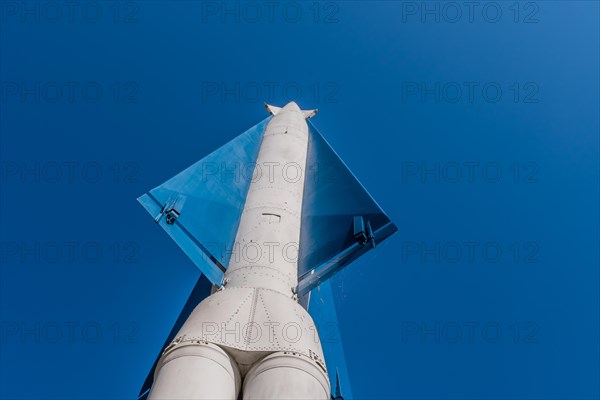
point(490, 289)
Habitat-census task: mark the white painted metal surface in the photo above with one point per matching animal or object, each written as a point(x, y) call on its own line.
point(193, 370)
point(253, 328)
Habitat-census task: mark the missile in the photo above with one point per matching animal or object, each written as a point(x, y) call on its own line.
point(287, 231)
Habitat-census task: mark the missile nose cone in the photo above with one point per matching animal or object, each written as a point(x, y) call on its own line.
point(291, 106)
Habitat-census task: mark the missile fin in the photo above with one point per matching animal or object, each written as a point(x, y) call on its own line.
point(308, 114)
point(272, 109)
point(203, 204)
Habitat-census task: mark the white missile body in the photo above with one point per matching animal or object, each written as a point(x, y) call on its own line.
point(252, 336)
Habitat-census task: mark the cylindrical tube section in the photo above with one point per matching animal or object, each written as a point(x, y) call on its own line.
point(283, 376)
point(195, 371)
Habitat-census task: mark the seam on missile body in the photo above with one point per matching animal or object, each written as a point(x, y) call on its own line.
point(251, 316)
point(262, 300)
point(239, 308)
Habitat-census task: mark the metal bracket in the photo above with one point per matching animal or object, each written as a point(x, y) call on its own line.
point(360, 233)
point(370, 234)
point(172, 215)
point(169, 210)
point(363, 233)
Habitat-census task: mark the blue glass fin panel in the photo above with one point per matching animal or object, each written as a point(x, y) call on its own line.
point(322, 309)
point(207, 199)
point(333, 197)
